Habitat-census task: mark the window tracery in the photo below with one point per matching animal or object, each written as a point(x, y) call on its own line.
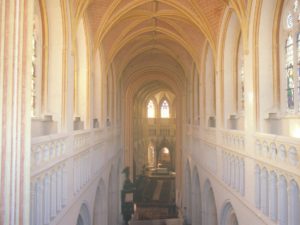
point(291, 77)
point(241, 77)
point(150, 109)
point(33, 71)
point(164, 109)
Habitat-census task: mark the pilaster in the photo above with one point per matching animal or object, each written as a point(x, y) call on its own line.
point(15, 70)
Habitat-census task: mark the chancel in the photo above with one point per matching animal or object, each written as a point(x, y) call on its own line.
point(197, 101)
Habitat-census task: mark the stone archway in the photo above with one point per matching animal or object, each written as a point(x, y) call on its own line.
point(99, 206)
point(84, 216)
point(228, 216)
point(187, 195)
point(209, 205)
point(110, 198)
point(113, 197)
point(196, 199)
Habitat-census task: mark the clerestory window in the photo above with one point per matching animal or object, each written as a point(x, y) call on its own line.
point(150, 109)
point(164, 109)
point(291, 75)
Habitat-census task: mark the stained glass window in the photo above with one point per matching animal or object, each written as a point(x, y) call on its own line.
point(290, 72)
point(241, 78)
point(289, 20)
point(33, 71)
point(164, 110)
point(298, 67)
point(150, 109)
point(292, 56)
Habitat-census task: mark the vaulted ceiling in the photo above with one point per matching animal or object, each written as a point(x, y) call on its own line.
point(166, 36)
point(177, 28)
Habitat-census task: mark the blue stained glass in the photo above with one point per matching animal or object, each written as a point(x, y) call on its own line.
point(290, 72)
point(165, 112)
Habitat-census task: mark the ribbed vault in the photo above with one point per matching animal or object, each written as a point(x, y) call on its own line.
point(150, 46)
point(123, 28)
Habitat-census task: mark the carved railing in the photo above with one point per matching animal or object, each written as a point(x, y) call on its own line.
point(233, 139)
point(82, 139)
point(60, 163)
point(278, 149)
point(48, 194)
point(46, 149)
point(233, 172)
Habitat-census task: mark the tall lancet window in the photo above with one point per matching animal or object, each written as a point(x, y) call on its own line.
point(164, 109)
point(290, 72)
point(150, 109)
point(33, 71)
point(241, 77)
point(36, 63)
point(291, 78)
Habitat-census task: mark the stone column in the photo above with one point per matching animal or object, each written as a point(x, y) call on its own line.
point(15, 69)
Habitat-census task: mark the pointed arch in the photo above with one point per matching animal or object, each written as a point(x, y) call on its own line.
point(98, 91)
point(210, 216)
point(188, 194)
point(273, 195)
point(54, 82)
point(151, 109)
point(210, 90)
point(228, 216)
point(229, 75)
point(282, 201)
point(84, 215)
point(165, 108)
point(196, 198)
point(257, 186)
point(100, 204)
point(82, 76)
point(264, 191)
point(294, 204)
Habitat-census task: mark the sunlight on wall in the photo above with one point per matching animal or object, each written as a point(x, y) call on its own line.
point(295, 130)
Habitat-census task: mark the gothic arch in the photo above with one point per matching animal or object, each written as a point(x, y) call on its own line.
point(100, 204)
point(265, 57)
point(38, 73)
point(165, 101)
point(82, 75)
point(196, 199)
point(273, 195)
point(155, 107)
point(228, 216)
point(188, 194)
point(229, 76)
point(209, 79)
point(110, 209)
point(54, 65)
point(209, 205)
point(257, 186)
point(182, 13)
point(264, 191)
point(294, 203)
point(98, 92)
point(282, 201)
point(84, 215)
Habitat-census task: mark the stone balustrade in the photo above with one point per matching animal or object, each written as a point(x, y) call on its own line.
point(233, 172)
point(281, 150)
point(48, 194)
point(46, 149)
point(63, 162)
point(82, 139)
point(233, 139)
